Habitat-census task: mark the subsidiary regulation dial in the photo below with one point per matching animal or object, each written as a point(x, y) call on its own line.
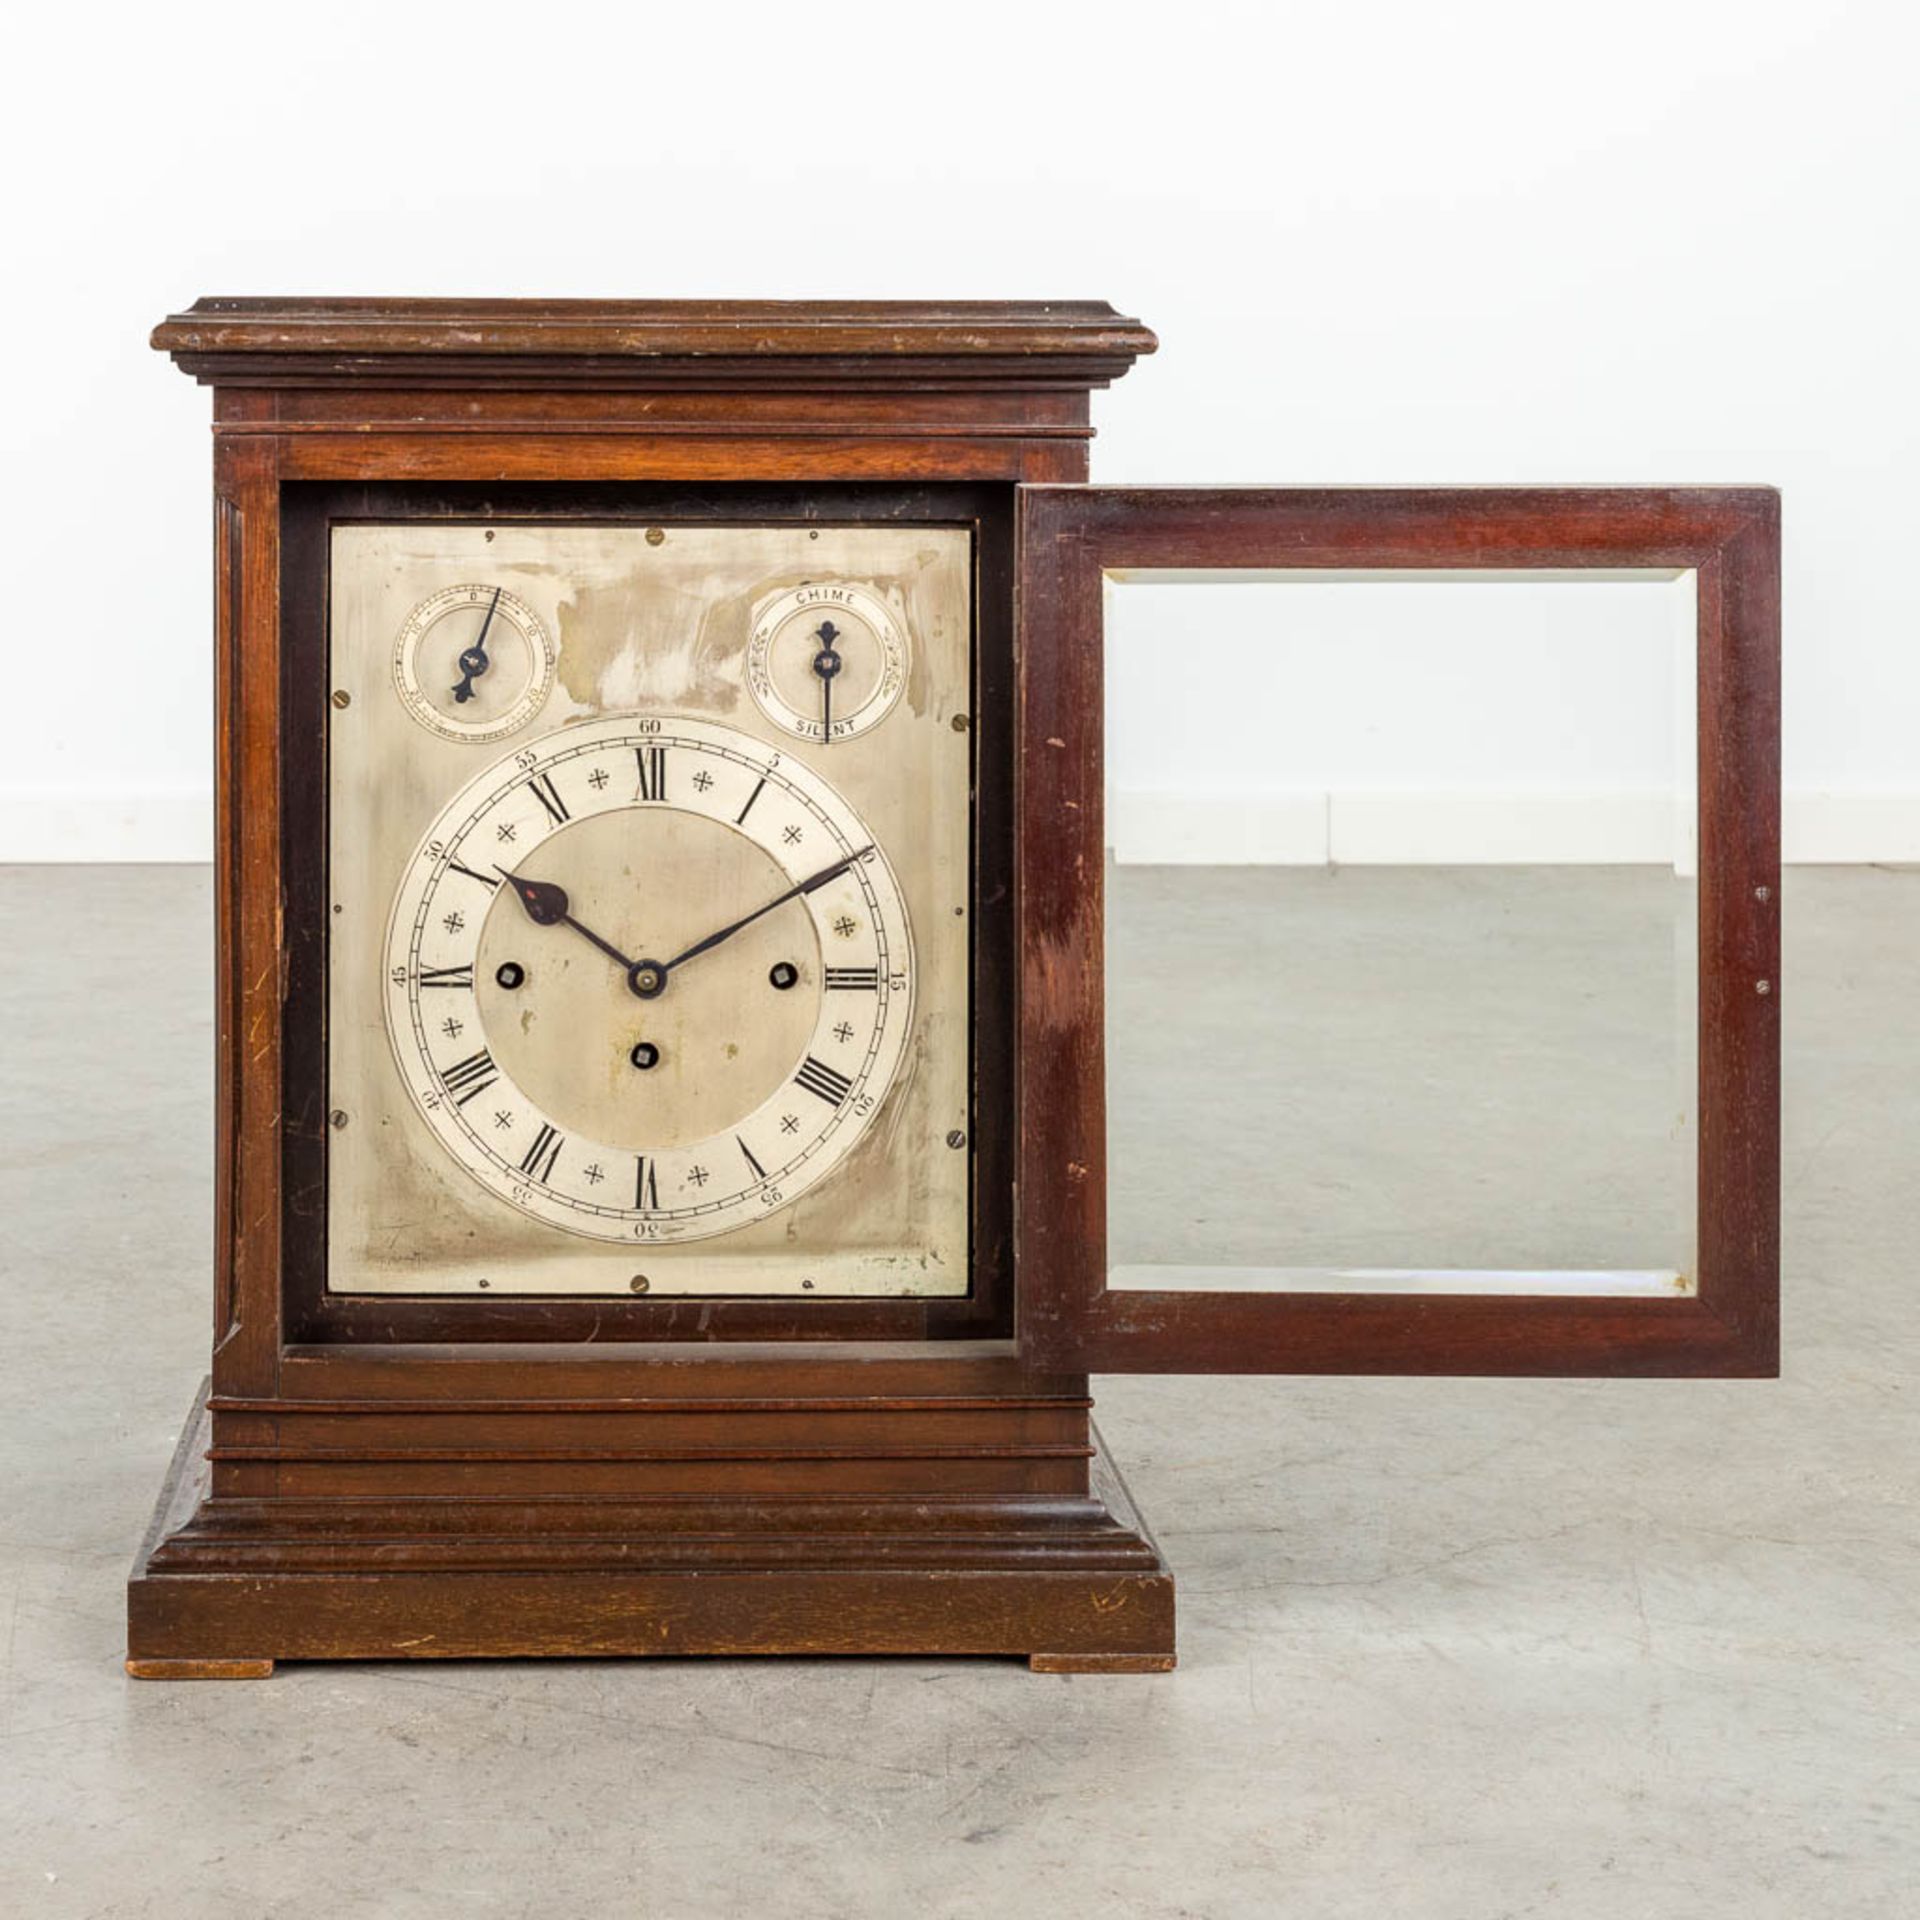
point(473, 663)
point(826, 661)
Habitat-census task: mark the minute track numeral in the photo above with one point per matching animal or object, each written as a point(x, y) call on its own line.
point(473, 1075)
point(447, 976)
point(541, 1156)
point(549, 797)
point(822, 1080)
point(653, 772)
point(853, 979)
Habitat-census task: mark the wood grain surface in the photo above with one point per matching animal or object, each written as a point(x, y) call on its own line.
point(407, 1478)
point(1069, 539)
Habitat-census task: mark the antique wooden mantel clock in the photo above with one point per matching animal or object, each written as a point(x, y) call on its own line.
point(662, 1170)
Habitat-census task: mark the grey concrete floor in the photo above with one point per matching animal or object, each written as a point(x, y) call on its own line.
point(1457, 1648)
point(1477, 1067)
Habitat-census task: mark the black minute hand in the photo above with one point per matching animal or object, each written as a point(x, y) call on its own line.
point(808, 885)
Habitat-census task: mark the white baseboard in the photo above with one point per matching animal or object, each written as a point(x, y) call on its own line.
point(1218, 830)
point(1836, 829)
point(41, 827)
point(1495, 829)
point(1392, 829)
point(1159, 829)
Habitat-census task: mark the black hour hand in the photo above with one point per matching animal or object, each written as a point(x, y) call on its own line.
point(547, 906)
point(545, 903)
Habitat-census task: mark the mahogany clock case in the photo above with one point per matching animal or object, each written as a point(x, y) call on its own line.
point(409, 1477)
point(497, 1478)
point(453, 1476)
point(309, 513)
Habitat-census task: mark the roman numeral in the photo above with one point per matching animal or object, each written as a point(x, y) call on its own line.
point(653, 772)
point(543, 1153)
point(817, 1077)
point(485, 881)
point(853, 979)
point(475, 1074)
point(759, 1172)
point(646, 1183)
point(549, 797)
point(740, 818)
point(447, 976)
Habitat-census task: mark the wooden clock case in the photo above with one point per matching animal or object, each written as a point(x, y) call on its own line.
point(408, 1478)
point(370, 1477)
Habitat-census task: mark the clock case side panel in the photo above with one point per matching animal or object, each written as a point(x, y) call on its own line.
point(248, 1194)
point(312, 1315)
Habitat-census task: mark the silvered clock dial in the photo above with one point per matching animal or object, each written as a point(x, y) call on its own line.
point(827, 660)
point(665, 993)
point(648, 980)
point(473, 662)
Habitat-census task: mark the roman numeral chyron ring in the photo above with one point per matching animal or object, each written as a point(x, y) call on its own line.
point(639, 838)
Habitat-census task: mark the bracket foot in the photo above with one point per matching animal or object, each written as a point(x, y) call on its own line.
point(199, 1669)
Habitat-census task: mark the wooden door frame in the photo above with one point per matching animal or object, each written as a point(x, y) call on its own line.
point(1069, 539)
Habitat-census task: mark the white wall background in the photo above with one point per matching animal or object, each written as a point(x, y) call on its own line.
point(1308, 719)
point(1395, 242)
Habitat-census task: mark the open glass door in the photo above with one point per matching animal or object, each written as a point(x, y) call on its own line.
point(1398, 891)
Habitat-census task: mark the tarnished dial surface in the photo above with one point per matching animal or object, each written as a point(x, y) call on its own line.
point(826, 661)
point(473, 663)
point(560, 1036)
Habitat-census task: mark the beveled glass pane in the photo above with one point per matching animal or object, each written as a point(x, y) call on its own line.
point(1400, 934)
